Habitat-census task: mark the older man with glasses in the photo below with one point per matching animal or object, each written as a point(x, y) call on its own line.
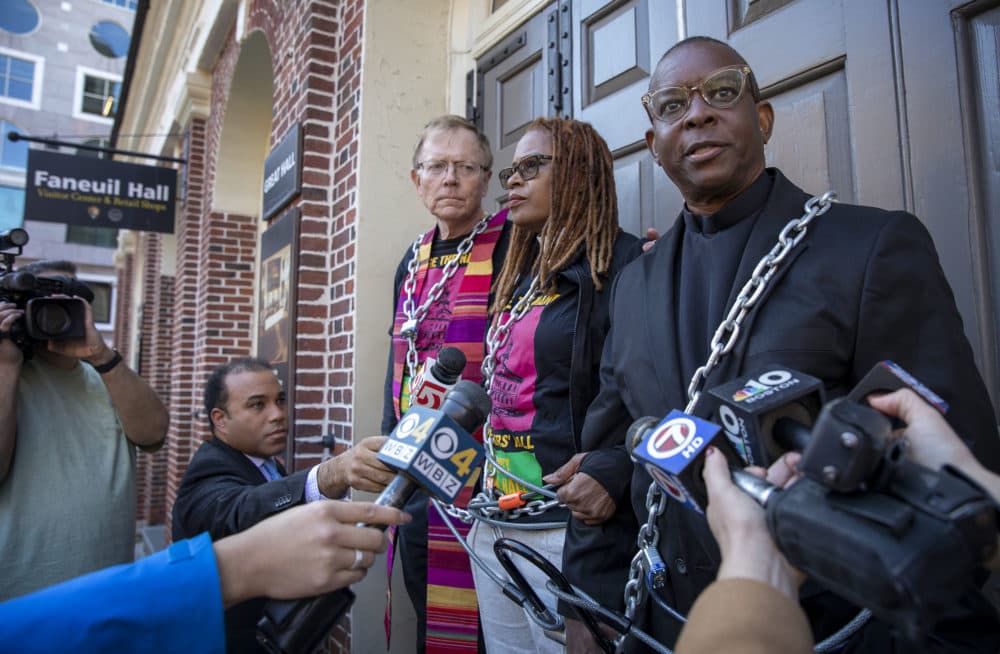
point(863, 285)
point(440, 298)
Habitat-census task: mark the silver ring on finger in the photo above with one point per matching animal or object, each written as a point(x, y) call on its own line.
point(359, 557)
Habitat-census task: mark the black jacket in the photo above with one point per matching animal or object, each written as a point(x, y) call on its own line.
point(224, 493)
point(865, 285)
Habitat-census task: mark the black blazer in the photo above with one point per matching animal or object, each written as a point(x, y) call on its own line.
point(865, 285)
point(224, 493)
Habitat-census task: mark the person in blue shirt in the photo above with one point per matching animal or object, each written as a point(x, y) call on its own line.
point(173, 601)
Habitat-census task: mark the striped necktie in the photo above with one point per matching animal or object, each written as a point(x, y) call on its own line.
point(270, 470)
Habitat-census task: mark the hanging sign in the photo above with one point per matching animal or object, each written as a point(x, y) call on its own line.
point(80, 190)
point(283, 173)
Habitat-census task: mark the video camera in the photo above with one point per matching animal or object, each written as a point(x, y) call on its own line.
point(878, 530)
point(46, 318)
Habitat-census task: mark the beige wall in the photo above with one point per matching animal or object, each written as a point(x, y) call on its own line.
point(404, 76)
point(416, 56)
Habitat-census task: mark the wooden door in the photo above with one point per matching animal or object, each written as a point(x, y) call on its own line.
point(891, 104)
point(868, 100)
point(616, 46)
point(518, 81)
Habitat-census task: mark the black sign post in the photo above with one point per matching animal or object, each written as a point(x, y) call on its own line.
point(75, 190)
point(283, 173)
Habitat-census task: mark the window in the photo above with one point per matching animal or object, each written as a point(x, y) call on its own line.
point(101, 305)
point(110, 39)
point(100, 96)
point(13, 154)
point(18, 16)
point(124, 4)
point(16, 78)
point(20, 78)
point(101, 143)
point(11, 207)
point(97, 95)
point(13, 162)
point(102, 237)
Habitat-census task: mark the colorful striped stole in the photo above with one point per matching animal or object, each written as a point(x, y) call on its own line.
point(452, 609)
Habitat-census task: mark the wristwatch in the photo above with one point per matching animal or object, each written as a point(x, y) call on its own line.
point(110, 363)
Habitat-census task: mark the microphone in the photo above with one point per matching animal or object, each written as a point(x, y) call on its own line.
point(672, 452)
point(749, 406)
point(432, 450)
point(436, 376)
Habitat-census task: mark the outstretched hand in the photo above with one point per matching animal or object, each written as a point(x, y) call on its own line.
point(308, 550)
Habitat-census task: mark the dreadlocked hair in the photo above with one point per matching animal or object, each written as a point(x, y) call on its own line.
point(583, 215)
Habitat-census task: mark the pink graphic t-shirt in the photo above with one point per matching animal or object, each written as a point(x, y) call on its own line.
point(529, 424)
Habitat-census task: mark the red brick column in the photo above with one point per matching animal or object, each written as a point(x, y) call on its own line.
point(185, 430)
point(154, 365)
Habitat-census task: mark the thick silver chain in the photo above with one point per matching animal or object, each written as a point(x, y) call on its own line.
point(499, 331)
point(483, 506)
point(415, 314)
point(722, 343)
point(496, 337)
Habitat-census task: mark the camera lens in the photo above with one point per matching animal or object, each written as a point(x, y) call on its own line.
point(53, 320)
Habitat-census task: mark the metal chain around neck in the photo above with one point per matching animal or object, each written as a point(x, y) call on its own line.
point(415, 314)
point(722, 343)
point(496, 337)
point(499, 331)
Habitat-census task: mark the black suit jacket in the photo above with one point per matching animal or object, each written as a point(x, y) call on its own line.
point(224, 493)
point(863, 286)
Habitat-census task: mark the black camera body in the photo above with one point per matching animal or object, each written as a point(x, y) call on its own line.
point(879, 530)
point(46, 318)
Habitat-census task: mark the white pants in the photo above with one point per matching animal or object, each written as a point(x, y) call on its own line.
point(507, 629)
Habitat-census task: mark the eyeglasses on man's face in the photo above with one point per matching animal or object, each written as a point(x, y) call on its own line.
point(722, 89)
point(527, 168)
point(435, 168)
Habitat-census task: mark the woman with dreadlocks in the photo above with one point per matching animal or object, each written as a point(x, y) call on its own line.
point(549, 319)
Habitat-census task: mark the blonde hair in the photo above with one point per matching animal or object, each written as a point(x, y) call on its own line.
point(452, 122)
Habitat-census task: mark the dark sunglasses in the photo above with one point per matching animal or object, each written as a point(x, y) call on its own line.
point(527, 168)
point(722, 89)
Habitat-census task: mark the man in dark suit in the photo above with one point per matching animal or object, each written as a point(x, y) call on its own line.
point(234, 480)
point(864, 285)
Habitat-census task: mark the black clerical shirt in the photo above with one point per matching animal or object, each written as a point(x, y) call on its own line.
point(705, 269)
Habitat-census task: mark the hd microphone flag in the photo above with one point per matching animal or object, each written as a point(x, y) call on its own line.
point(92, 192)
point(670, 448)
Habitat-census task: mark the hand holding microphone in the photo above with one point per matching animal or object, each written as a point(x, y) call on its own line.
point(432, 450)
point(739, 527)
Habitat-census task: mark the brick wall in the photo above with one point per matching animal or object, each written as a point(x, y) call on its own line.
point(154, 365)
point(185, 430)
point(316, 51)
point(123, 304)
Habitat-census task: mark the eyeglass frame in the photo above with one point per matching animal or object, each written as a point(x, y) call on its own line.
point(422, 167)
point(748, 79)
point(517, 169)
